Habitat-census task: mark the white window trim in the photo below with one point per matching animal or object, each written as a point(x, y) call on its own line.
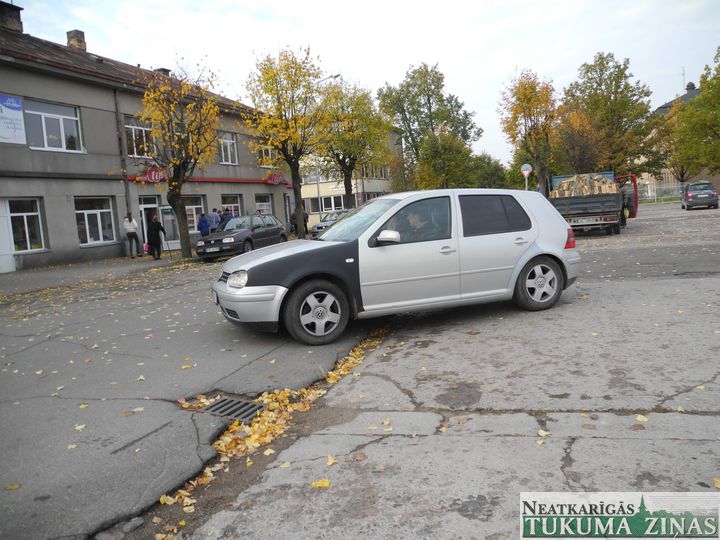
point(267, 162)
point(147, 138)
point(25, 215)
point(227, 142)
point(59, 117)
point(195, 210)
point(91, 243)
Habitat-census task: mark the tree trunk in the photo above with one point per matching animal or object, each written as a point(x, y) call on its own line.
point(297, 192)
point(176, 203)
point(347, 181)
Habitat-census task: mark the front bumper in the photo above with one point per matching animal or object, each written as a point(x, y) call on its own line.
point(218, 250)
point(249, 304)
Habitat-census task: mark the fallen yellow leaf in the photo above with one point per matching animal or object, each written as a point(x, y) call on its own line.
point(167, 499)
point(140, 378)
point(269, 452)
point(83, 405)
point(641, 418)
point(248, 462)
point(188, 509)
point(543, 433)
point(540, 442)
point(71, 446)
point(680, 408)
point(331, 460)
point(13, 486)
point(285, 465)
point(386, 422)
point(79, 427)
point(716, 481)
point(321, 484)
point(181, 522)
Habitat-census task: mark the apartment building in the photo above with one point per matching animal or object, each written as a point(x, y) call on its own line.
point(73, 155)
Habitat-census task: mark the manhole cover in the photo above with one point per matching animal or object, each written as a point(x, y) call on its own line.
point(236, 409)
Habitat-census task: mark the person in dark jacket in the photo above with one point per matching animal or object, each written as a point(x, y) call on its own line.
point(203, 225)
point(154, 241)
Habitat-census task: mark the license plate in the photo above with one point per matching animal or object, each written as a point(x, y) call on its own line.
point(581, 221)
point(215, 297)
point(212, 249)
point(703, 196)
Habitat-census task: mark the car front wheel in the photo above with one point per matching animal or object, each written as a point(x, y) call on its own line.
point(316, 312)
point(247, 246)
point(539, 284)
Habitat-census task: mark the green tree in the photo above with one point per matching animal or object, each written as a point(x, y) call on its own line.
point(618, 110)
point(669, 141)
point(700, 121)
point(445, 161)
point(489, 172)
point(420, 107)
point(285, 92)
point(183, 114)
point(354, 131)
point(527, 113)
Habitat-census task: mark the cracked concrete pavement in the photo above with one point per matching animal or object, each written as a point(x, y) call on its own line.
point(93, 358)
point(436, 433)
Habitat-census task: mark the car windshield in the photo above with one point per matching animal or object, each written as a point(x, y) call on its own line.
point(236, 223)
point(355, 222)
point(332, 216)
point(700, 187)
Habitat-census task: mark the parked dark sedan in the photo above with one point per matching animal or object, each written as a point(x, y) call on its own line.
point(240, 235)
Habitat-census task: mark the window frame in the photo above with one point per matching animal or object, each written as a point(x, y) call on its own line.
point(27, 110)
point(24, 216)
point(267, 161)
point(227, 142)
point(511, 224)
point(146, 135)
point(263, 206)
point(193, 208)
point(98, 213)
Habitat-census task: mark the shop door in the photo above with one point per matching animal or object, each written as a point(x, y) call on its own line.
point(7, 258)
point(148, 208)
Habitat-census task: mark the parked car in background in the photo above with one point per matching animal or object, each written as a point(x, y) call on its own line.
point(240, 235)
point(698, 194)
point(403, 252)
point(327, 220)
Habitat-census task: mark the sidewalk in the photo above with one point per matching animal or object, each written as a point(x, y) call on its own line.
point(35, 279)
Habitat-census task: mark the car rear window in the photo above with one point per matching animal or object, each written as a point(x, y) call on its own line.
point(700, 187)
point(492, 214)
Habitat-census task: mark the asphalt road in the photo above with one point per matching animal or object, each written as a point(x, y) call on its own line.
point(91, 371)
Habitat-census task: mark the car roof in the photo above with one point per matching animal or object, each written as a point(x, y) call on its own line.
point(427, 193)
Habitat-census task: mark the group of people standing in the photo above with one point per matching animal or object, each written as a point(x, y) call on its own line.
point(209, 224)
point(154, 241)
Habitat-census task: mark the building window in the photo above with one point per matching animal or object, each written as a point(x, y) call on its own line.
point(263, 203)
point(52, 127)
point(227, 150)
point(233, 202)
point(26, 225)
point(137, 135)
point(312, 205)
point(334, 202)
point(94, 221)
point(193, 209)
point(267, 156)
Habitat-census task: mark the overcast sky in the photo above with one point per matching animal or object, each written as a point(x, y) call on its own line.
point(478, 44)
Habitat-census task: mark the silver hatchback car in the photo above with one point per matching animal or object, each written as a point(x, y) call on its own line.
point(403, 252)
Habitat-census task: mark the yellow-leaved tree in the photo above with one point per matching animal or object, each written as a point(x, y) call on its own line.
point(284, 90)
point(527, 113)
point(183, 116)
point(355, 132)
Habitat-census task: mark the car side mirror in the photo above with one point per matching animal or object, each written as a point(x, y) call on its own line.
point(388, 237)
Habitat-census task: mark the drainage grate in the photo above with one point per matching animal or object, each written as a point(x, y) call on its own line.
point(236, 409)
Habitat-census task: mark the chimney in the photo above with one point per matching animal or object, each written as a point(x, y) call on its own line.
point(162, 71)
point(76, 40)
point(690, 86)
point(10, 17)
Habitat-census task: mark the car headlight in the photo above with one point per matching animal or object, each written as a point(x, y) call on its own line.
point(228, 240)
point(237, 279)
point(200, 243)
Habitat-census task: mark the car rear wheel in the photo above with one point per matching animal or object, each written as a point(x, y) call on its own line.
point(247, 246)
point(539, 284)
point(316, 312)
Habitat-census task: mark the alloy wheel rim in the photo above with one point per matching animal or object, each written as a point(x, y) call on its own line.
point(320, 313)
point(541, 283)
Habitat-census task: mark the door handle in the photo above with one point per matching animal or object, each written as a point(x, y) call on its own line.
point(446, 250)
point(520, 241)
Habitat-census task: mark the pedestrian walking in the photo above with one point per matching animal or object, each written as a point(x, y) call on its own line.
point(131, 229)
point(203, 225)
point(154, 241)
point(214, 220)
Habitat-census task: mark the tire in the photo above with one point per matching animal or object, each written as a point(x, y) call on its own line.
point(247, 246)
point(283, 239)
point(316, 312)
point(539, 284)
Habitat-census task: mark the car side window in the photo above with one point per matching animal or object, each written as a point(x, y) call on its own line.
point(268, 221)
point(422, 221)
point(257, 222)
point(492, 214)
